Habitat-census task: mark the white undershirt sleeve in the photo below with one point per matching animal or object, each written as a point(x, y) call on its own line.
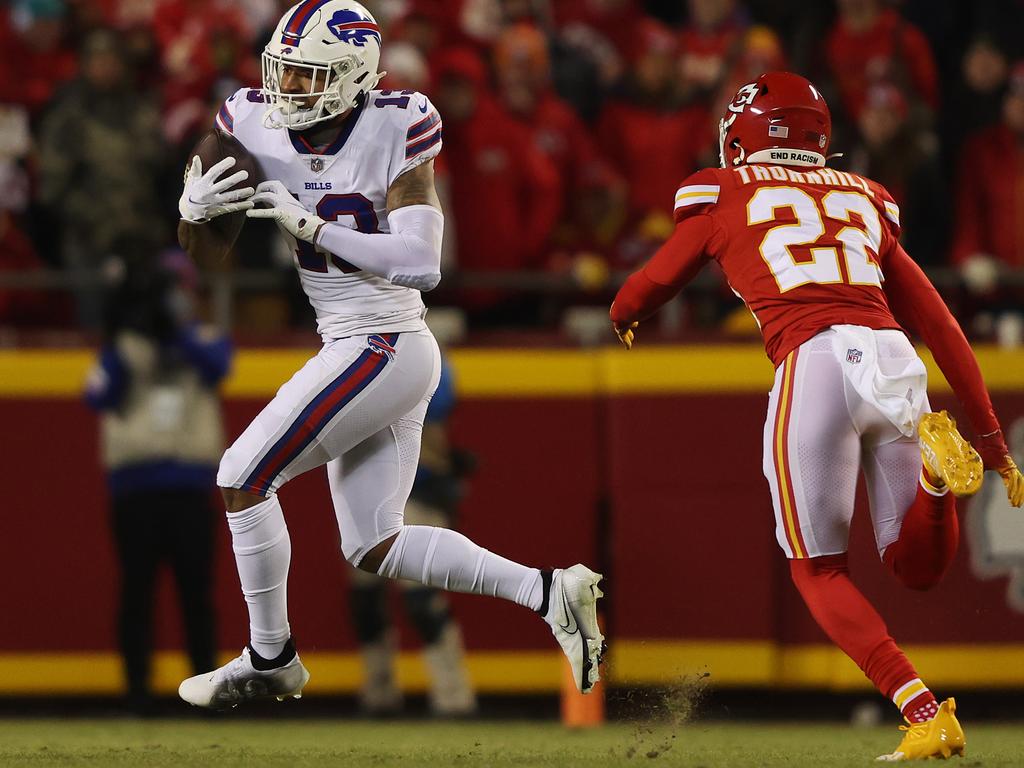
point(410, 255)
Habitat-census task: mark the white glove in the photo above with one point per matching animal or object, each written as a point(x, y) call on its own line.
point(285, 210)
point(205, 198)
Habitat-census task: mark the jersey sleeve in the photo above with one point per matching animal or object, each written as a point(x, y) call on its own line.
point(678, 260)
point(886, 205)
point(421, 130)
point(698, 194)
point(917, 304)
point(241, 114)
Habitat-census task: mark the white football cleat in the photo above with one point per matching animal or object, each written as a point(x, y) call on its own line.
point(571, 603)
point(239, 681)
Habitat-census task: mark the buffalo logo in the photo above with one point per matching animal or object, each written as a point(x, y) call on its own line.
point(996, 530)
point(351, 28)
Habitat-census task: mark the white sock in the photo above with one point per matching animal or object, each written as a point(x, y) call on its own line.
point(263, 551)
point(442, 558)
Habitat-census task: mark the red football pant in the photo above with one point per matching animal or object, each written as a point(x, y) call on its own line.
point(927, 542)
point(850, 621)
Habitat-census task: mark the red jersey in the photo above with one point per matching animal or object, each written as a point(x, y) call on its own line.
point(804, 249)
point(807, 250)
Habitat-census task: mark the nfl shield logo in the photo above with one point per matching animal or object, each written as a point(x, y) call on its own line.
point(853, 355)
point(316, 164)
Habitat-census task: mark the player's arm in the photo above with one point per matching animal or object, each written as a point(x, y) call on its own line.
point(410, 255)
point(678, 260)
point(917, 304)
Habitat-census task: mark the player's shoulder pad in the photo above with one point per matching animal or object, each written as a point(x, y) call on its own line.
point(698, 194)
point(240, 106)
point(885, 204)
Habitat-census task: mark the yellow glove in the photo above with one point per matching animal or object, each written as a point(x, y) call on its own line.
point(1013, 480)
point(626, 335)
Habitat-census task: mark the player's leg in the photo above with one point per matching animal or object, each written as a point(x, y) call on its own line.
point(370, 485)
point(913, 513)
point(378, 646)
point(429, 611)
point(812, 456)
point(314, 416)
point(916, 530)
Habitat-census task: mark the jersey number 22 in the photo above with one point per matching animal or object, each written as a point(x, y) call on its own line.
point(808, 230)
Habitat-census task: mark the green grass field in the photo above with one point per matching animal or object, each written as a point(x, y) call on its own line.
point(301, 743)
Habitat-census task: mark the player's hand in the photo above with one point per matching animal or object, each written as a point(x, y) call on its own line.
point(277, 203)
point(625, 334)
point(207, 196)
point(1013, 480)
point(996, 455)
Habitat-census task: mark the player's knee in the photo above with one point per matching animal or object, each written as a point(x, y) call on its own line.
point(913, 573)
point(236, 500)
point(428, 611)
point(920, 582)
point(370, 559)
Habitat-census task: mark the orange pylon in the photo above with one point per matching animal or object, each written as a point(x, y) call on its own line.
point(579, 711)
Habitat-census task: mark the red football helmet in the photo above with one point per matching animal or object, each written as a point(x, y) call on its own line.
point(780, 118)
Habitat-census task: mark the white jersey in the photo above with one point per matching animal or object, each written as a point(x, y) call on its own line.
point(390, 133)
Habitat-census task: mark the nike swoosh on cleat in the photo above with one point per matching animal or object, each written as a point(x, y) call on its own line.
point(568, 613)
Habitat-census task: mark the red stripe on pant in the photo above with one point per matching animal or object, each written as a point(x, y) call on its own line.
point(281, 456)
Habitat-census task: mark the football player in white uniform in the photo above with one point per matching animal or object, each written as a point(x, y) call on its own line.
point(350, 181)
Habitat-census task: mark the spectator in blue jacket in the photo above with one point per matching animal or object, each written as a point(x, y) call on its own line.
point(155, 387)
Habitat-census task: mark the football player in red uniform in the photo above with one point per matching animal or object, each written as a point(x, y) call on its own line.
point(808, 249)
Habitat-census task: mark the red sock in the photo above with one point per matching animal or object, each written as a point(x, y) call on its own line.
point(928, 539)
point(855, 626)
point(921, 708)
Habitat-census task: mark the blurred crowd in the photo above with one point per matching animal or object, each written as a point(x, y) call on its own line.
point(568, 125)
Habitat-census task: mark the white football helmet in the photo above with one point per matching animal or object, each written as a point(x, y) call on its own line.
point(338, 41)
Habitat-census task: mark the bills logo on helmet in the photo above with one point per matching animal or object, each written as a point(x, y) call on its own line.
point(996, 530)
point(350, 27)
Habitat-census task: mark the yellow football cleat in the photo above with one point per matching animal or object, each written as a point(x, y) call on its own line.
point(948, 456)
point(941, 736)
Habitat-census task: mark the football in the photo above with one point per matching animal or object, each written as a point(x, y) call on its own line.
point(216, 237)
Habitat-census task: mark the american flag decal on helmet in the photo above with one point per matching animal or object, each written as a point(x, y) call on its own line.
point(778, 131)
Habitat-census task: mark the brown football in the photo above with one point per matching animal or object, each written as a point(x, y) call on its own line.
point(216, 237)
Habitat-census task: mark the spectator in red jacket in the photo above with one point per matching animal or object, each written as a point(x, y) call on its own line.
point(904, 159)
point(977, 97)
point(200, 41)
point(869, 44)
point(990, 187)
point(710, 44)
point(35, 57)
point(648, 135)
point(989, 225)
point(524, 76)
point(504, 191)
